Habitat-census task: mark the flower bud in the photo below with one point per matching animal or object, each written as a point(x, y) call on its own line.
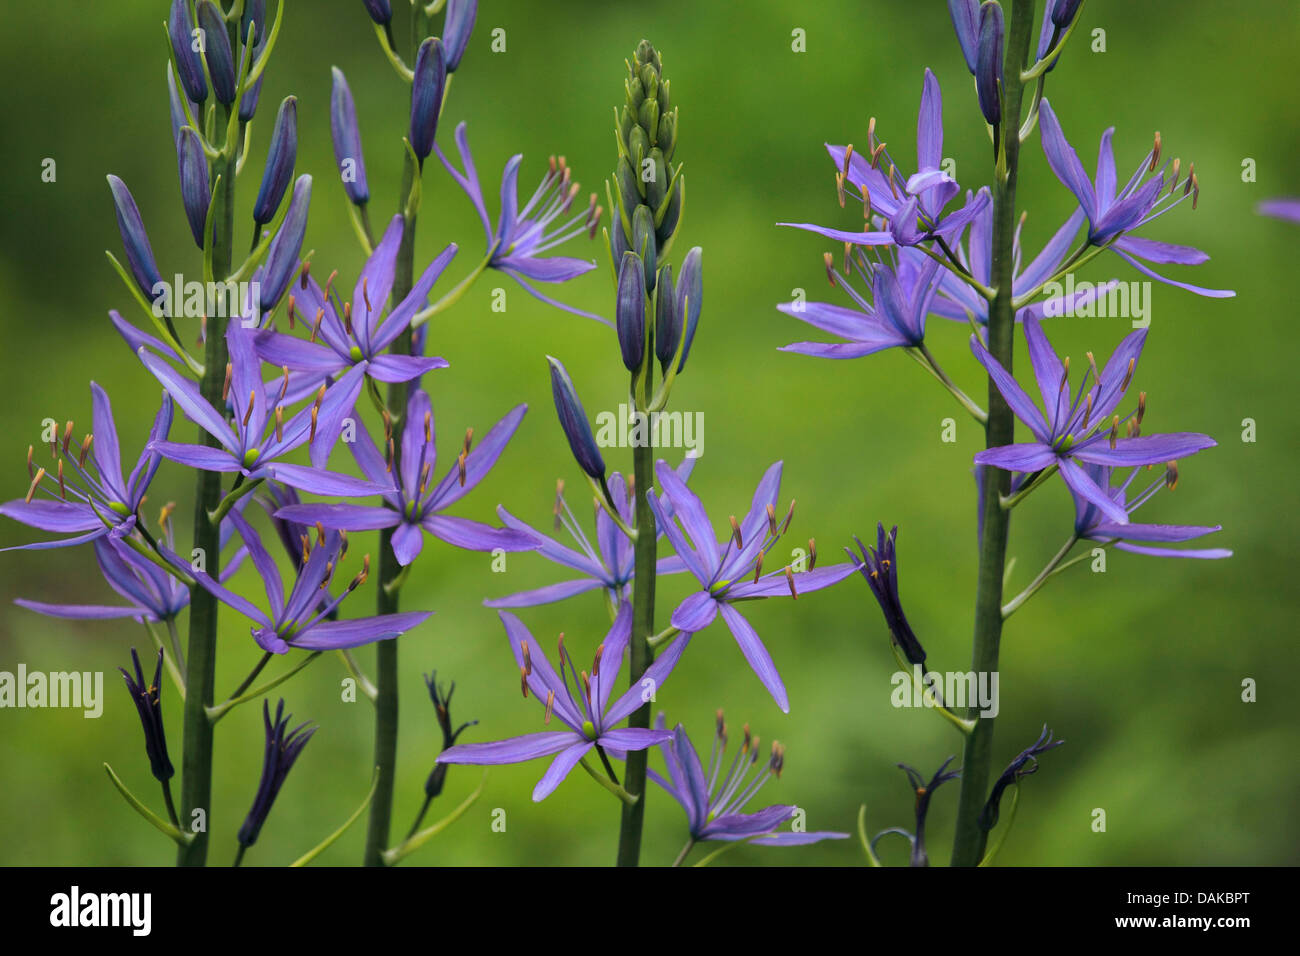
point(426, 96)
point(254, 16)
point(196, 195)
point(690, 296)
point(456, 29)
point(573, 419)
point(139, 254)
point(1064, 11)
point(280, 159)
point(282, 256)
point(379, 11)
point(988, 65)
point(965, 22)
point(175, 103)
point(216, 50)
point(644, 243)
point(347, 141)
point(629, 313)
point(189, 66)
point(668, 326)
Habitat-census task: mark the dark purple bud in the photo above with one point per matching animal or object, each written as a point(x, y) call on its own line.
point(668, 325)
point(965, 21)
point(139, 254)
point(347, 140)
point(255, 16)
point(573, 419)
point(629, 312)
point(644, 243)
point(189, 64)
point(148, 702)
point(280, 158)
point(988, 64)
point(426, 96)
point(175, 104)
point(282, 748)
point(216, 50)
point(195, 192)
point(457, 28)
point(690, 296)
point(379, 11)
point(282, 256)
point(1064, 11)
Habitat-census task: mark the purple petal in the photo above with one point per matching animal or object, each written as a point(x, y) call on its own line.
point(633, 738)
point(79, 612)
point(482, 457)
point(1048, 370)
point(546, 595)
point(341, 517)
point(1199, 290)
point(319, 482)
point(286, 351)
point(799, 839)
point(337, 635)
point(108, 457)
point(669, 528)
point(1011, 391)
point(375, 283)
point(408, 542)
point(1065, 161)
point(840, 235)
point(340, 402)
point(690, 512)
point(512, 750)
point(1083, 486)
point(756, 654)
point(403, 368)
point(695, 613)
point(565, 761)
point(649, 684)
point(1210, 553)
point(543, 678)
point(57, 516)
point(1145, 450)
point(611, 659)
point(1168, 253)
point(186, 395)
point(1025, 457)
point(776, 584)
point(1152, 532)
point(476, 536)
point(197, 456)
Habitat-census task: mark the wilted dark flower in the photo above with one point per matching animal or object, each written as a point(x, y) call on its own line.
point(879, 566)
point(282, 748)
point(148, 703)
point(441, 707)
point(1024, 764)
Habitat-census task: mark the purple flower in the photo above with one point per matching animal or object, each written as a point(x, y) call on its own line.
point(154, 594)
point(901, 297)
point(610, 564)
point(1288, 209)
point(353, 333)
point(958, 301)
point(580, 700)
point(524, 233)
point(1113, 214)
point(258, 434)
point(87, 496)
point(1074, 433)
point(911, 208)
point(282, 748)
point(415, 505)
point(720, 570)
point(1090, 523)
point(714, 803)
point(302, 619)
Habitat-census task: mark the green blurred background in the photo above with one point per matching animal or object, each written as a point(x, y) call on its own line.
point(1139, 668)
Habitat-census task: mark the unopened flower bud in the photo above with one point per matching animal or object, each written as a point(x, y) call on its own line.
point(196, 194)
point(280, 159)
point(426, 96)
point(217, 52)
point(988, 64)
point(139, 254)
point(282, 257)
point(573, 419)
point(189, 66)
point(630, 312)
point(690, 297)
point(456, 30)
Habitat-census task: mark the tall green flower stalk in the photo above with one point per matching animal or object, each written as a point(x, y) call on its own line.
point(970, 838)
point(648, 203)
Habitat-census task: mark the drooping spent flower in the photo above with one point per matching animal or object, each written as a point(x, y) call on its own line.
point(1025, 763)
point(721, 569)
point(1079, 431)
point(442, 711)
point(282, 748)
point(86, 495)
point(580, 701)
point(715, 800)
point(879, 565)
point(525, 232)
point(148, 703)
point(924, 793)
point(415, 506)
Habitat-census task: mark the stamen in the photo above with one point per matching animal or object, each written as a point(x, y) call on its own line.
point(830, 268)
point(428, 427)
point(31, 490)
point(523, 681)
point(1128, 376)
point(306, 547)
point(30, 469)
point(875, 155)
point(839, 188)
point(320, 533)
point(460, 466)
point(315, 410)
point(812, 554)
point(550, 706)
point(362, 574)
point(67, 436)
point(778, 759)
point(1174, 170)
point(165, 513)
point(771, 519)
point(1114, 432)
point(788, 516)
point(866, 203)
point(284, 383)
point(329, 283)
point(329, 573)
point(1087, 410)
point(315, 329)
point(343, 544)
point(1142, 406)
point(595, 664)
point(1171, 475)
point(1065, 374)
point(252, 395)
point(81, 458)
point(291, 310)
point(347, 317)
point(735, 533)
point(388, 424)
point(789, 579)
point(305, 274)
point(893, 172)
point(365, 293)
point(758, 569)
point(63, 489)
point(1155, 154)
point(225, 386)
point(392, 451)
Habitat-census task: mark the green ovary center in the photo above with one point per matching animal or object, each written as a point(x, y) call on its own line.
point(355, 352)
point(588, 729)
point(120, 508)
point(250, 457)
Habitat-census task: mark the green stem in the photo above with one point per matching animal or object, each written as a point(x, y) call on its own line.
point(201, 657)
point(642, 655)
point(686, 850)
point(969, 839)
point(388, 599)
point(1014, 604)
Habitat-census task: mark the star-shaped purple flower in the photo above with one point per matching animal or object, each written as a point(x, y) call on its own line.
point(87, 496)
point(720, 569)
point(416, 504)
point(524, 233)
point(1092, 524)
point(302, 619)
point(1114, 213)
point(580, 700)
point(911, 208)
point(1074, 433)
point(610, 564)
point(714, 803)
point(356, 332)
point(257, 434)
